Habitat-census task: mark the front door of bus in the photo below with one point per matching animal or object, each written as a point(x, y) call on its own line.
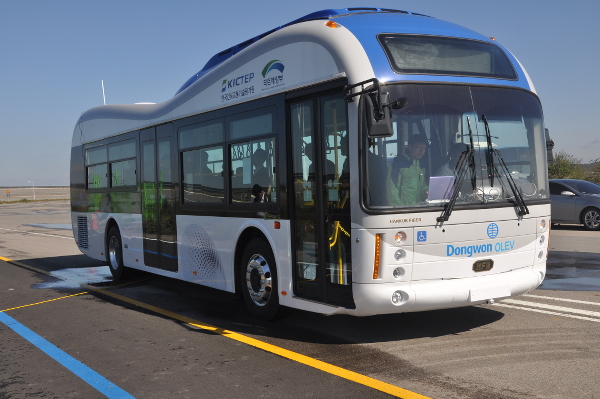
point(158, 198)
point(321, 207)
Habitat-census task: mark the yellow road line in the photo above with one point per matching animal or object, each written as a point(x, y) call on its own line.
point(39, 303)
point(323, 366)
point(297, 357)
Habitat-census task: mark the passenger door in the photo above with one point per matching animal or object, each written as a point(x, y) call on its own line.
point(159, 198)
point(320, 213)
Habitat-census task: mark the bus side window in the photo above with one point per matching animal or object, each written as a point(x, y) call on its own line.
point(253, 171)
point(202, 172)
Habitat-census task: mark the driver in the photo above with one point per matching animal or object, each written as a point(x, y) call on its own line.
point(406, 178)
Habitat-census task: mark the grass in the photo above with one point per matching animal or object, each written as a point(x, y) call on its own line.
point(28, 200)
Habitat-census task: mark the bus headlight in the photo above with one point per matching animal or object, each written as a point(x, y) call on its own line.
point(540, 255)
point(543, 225)
point(398, 272)
point(400, 255)
point(398, 297)
point(400, 237)
point(542, 240)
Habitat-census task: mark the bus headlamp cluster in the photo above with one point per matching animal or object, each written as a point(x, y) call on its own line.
point(543, 225)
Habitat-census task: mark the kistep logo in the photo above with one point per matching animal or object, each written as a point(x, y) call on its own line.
point(276, 65)
point(274, 79)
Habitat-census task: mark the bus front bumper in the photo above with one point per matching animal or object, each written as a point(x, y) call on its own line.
point(417, 296)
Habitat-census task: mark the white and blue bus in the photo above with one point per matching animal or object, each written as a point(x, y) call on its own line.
point(354, 161)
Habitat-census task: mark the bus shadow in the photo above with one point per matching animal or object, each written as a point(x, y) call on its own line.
point(221, 308)
point(398, 327)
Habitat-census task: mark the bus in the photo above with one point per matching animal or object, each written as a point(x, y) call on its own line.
point(354, 161)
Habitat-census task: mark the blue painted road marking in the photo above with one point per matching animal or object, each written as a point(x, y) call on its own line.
point(82, 371)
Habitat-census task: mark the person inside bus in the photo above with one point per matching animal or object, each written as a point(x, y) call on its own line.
point(345, 175)
point(260, 176)
point(407, 177)
point(454, 153)
point(258, 193)
point(328, 168)
point(203, 175)
point(204, 163)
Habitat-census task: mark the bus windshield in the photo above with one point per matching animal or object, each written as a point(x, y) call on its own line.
point(421, 164)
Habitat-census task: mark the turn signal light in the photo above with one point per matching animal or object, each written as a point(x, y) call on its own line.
point(332, 24)
point(377, 256)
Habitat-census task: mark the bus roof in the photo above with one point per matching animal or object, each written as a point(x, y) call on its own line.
point(221, 56)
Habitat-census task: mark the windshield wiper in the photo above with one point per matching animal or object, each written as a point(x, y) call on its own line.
point(472, 159)
point(466, 158)
point(491, 153)
point(489, 156)
point(518, 198)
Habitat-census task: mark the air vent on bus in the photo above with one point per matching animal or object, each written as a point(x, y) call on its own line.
point(82, 232)
point(391, 10)
point(361, 9)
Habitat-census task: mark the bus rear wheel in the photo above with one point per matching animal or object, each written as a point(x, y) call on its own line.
point(258, 276)
point(114, 254)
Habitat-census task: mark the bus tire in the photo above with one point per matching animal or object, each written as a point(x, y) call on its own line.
point(114, 254)
point(258, 276)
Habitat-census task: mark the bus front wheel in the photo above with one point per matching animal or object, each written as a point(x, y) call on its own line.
point(258, 276)
point(114, 254)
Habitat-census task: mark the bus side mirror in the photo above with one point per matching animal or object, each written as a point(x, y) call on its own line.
point(549, 146)
point(378, 117)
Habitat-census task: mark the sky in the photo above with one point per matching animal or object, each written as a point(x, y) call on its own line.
point(54, 55)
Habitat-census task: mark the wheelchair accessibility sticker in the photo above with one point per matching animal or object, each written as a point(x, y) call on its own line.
point(421, 236)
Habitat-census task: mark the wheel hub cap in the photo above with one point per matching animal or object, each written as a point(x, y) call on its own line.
point(592, 219)
point(113, 247)
point(258, 280)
